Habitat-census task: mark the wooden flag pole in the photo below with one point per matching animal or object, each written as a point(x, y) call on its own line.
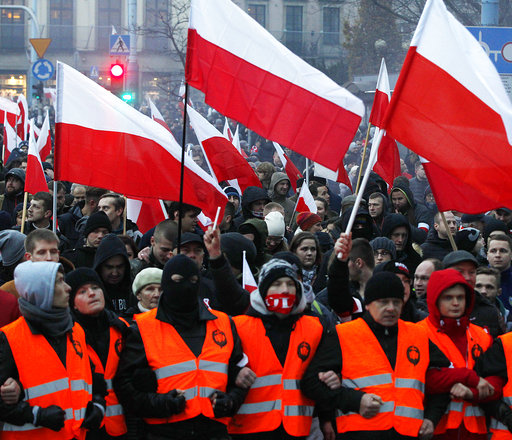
point(24, 215)
point(54, 207)
point(182, 170)
point(448, 232)
point(125, 214)
point(363, 157)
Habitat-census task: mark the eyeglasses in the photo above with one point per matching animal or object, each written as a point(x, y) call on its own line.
point(381, 254)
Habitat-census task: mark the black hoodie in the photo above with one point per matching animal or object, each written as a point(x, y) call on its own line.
point(408, 256)
point(250, 195)
point(118, 296)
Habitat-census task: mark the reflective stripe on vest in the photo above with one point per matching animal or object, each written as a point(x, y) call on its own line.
point(366, 367)
point(176, 367)
point(499, 430)
point(275, 398)
point(459, 412)
point(48, 381)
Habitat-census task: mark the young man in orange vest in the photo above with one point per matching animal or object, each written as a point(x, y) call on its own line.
point(194, 355)
point(280, 342)
point(450, 301)
point(46, 353)
point(383, 363)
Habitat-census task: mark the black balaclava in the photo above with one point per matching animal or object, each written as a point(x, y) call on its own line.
point(179, 300)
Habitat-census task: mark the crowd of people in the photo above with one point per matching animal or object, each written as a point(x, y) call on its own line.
point(396, 330)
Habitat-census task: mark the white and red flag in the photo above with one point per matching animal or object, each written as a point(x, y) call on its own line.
point(22, 122)
point(44, 141)
point(10, 109)
point(450, 107)
point(112, 145)
point(387, 165)
point(306, 201)
point(156, 115)
point(248, 281)
point(35, 180)
point(289, 168)
point(249, 76)
point(146, 212)
point(224, 159)
point(228, 134)
point(11, 138)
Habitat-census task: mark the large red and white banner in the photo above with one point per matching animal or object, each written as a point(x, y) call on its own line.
point(102, 141)
point(247, 75)
point(35, 180)
point(450, 107)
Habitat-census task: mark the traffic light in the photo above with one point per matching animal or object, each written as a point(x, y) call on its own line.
point(117, 75)
point(38, 92)
point(127, 96)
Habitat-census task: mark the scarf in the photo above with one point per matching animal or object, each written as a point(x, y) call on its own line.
point(55, 322)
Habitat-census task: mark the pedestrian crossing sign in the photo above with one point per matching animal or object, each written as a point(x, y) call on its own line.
point(119, 44)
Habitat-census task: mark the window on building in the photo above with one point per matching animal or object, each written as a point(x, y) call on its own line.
point(331, 25)
point(61, 25)
point(109, 14)
point(258, 12)
point(155, 11)
point(12, 26)
point(293, 28)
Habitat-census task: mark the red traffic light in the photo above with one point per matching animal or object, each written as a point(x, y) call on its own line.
point(117, 70)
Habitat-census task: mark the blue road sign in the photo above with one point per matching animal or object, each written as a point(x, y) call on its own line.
point(43, 69)
point(119, 45)
point(94, 73)
point(497, 43)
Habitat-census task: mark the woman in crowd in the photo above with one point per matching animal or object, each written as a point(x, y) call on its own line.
point(305, 245)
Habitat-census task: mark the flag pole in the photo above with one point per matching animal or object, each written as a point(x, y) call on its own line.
point(448, 232)
point(295, 207)
point(371, 160)
point(125, 214)
point(182, 170)
point(362, 159)
point(24, 214)
point(307, 171)
point(54, 207)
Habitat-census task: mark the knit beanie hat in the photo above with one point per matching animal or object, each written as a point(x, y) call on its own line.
point(466, 238)
point(231, 191)
point(12, 246)
point(97, 220)
point(383, 285)
point(233, 246)
point(393, 267)
point(274, 270)
point(150, 275)
point(275, 224)
point(306, 220)
point(79, 277)
point(384, 243)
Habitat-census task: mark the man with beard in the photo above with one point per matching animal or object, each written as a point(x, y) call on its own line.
point(14, 186)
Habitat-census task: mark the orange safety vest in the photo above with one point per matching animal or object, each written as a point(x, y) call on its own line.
point(275, 397)
point(176, 367)
point(114, 421)
point(367, 368)
point(46, 382)
point(499, 430)
point(461, 410)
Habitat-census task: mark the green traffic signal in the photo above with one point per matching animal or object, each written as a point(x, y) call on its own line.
point(127, 96)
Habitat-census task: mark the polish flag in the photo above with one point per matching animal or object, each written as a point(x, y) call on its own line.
point(450, 107)
point(11, 138)
point(109, 144)
point(247, 75)
point(387, 165)
point(22, 123)
point(306, 202)
point(32, 125)
point(339, 176)
point(51, 94)
point(34, 175)
point(248, 281)
point(290, 169)
point(236, 143)
point(452, 194)
point(156, 115)
point(44, 141)
point(224, 159)
point(9, 108)
point(203, 221)
point(227, 131)
point(146, 212)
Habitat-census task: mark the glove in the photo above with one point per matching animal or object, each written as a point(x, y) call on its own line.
point(222, 404)
point(93, 416)
point(52, 417)
point(165, 405)
point(504, 415)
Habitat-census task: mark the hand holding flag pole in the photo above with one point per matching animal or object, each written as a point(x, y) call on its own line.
point(371, 161)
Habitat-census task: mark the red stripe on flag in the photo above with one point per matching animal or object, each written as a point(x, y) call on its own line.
point(388, 160)
point(34, 179)
point(435, 116)
point(131, 165)
point(273, 107)
point(380, 104)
